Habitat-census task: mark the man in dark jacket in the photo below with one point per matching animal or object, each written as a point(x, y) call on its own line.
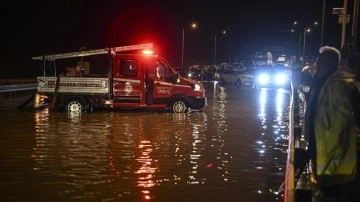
point(331, 129)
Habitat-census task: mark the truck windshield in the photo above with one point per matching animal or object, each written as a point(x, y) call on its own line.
point(163, 71)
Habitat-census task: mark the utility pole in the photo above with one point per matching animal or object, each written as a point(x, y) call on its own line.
point(355, 23)
point(322, 25)
point(344, 22)
point(182, 49)
point(193, 26)
point(215, 49)
point(229, 51)
point(355, 38)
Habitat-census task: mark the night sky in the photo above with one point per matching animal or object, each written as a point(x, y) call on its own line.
point(33, 28)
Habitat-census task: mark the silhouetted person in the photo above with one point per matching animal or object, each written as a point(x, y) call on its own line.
point(331, 129)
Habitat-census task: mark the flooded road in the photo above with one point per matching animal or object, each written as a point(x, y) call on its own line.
point(234, 150)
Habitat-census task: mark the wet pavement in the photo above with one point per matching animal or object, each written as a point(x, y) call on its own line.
point(233, 150)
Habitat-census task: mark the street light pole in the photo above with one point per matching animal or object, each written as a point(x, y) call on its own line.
point(299, 45)
point(193, 26)
point(182, 49)
point(322, 25)
point(355, 23)
point(229, 50)
point(344, 21)
point(215, 49)
point(304, 43)
point(223, 32)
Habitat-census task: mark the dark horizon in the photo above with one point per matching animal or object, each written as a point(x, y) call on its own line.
point(34, 29)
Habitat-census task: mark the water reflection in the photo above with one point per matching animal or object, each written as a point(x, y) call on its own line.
point(154, 150)
point(265, 101)
point(218, 142)
point(272, 109)
point(71, 151)
point(232, 151)
point(147, 170)
point(262, 105)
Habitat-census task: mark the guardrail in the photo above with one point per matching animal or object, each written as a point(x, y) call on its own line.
point(297, 185)
point(289, 183)
point(17, 87)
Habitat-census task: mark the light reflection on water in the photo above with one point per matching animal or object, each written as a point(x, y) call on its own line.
point(232, 151)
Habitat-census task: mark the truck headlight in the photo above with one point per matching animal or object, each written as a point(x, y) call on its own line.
point(196, 87)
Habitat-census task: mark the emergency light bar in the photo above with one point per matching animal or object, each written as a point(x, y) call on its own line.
point(132, 47)
point(147, 52)
point(94, 52)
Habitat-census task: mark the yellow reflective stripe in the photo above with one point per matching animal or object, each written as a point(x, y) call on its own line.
point(343, 166)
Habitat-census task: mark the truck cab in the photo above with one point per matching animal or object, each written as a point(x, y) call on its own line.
point(149, 81)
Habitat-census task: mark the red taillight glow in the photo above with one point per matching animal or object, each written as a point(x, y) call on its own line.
point(147, 52)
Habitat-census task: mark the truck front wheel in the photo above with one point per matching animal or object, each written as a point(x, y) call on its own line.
point(179, 106)
point(75, 105)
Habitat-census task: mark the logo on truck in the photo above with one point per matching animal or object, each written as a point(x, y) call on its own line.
point(164, 90)
point(128, 88)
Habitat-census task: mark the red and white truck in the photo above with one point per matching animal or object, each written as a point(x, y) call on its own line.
point(135, 81)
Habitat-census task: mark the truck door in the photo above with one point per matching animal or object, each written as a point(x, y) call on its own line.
point(163, 83)
point(127, 82)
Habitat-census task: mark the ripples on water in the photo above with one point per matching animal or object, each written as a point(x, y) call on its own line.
point(235, 150)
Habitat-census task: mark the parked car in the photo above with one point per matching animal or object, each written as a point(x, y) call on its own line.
point(240, 77)
point(196, 74)
point(274, 77)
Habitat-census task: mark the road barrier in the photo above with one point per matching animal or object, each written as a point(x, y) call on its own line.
point(16, 87)
point(297, 185)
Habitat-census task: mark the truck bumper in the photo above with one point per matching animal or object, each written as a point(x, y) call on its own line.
point(197, 102)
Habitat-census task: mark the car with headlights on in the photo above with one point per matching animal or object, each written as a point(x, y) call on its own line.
point(272, 77)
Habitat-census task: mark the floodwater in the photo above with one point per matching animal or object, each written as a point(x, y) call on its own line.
point(234, 150)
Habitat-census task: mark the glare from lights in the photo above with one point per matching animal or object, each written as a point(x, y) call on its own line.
point(147, 52)
point(264, 79)
point(281, 79)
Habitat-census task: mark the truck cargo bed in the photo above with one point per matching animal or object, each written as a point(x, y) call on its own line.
point(78, 85)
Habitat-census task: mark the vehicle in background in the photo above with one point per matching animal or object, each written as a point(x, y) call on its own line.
point(135, 80)
point(195, 72)
point(272, 77)
point(239, 77)
point(282, 61)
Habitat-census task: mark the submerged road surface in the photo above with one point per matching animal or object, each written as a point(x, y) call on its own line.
point(233, 150)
